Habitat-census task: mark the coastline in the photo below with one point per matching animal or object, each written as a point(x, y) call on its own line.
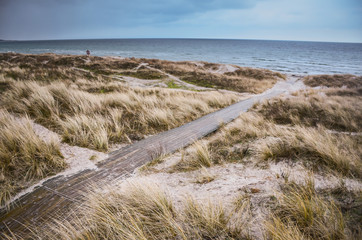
point(284, 56)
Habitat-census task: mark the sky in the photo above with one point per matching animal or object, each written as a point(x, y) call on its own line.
point(305, 20)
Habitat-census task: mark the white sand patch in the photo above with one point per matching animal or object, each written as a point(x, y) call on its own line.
point(138, 82)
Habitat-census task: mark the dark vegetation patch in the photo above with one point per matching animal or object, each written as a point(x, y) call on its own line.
point(144, 74)
point(337, 80)
point(254, 73)
point(350, 204)
point(4, 86)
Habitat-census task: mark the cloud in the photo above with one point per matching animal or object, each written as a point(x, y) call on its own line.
point(47, 19)
point(28, 18)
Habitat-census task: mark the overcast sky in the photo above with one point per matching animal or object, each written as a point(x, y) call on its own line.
point(311, 20)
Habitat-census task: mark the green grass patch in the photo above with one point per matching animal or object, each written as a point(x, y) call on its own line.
point(198, 82)
point(172, 84)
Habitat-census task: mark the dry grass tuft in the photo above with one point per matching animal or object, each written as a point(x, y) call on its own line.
point(252, 136)
point(303, 214)
point(144, 211)
point(207, 221)
point(202, 154)
point(199, 158)
point(157, 156)
point(340, 154)
point(314, 108)
point(278, 230)
point(24, 157)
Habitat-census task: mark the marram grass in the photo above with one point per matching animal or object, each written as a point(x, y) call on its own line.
point(24, 157)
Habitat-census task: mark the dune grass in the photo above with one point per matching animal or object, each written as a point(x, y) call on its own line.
point(94, 120)
point(51, 67)
point(301, 213)
point(242, 80)
point(312, 108)
point(78, 98)
point(340, 154)
point(199, 158)
point(336, 80)
point(24, 157)
point(350, 204)
point(44, 68)
point(291, 128)
point(144, 211)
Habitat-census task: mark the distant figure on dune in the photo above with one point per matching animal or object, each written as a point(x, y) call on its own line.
point(88, 53)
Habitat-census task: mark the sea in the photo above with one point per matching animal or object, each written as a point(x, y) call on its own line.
point(291, 57)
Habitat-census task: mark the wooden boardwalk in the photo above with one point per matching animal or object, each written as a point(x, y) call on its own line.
point(55, 196)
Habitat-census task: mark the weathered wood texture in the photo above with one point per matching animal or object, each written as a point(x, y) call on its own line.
point(55, 196)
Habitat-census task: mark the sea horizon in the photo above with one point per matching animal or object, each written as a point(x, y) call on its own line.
point(170, 38)
point(286, 56)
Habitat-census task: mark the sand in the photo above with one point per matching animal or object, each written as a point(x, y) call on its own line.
point(232, 180)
